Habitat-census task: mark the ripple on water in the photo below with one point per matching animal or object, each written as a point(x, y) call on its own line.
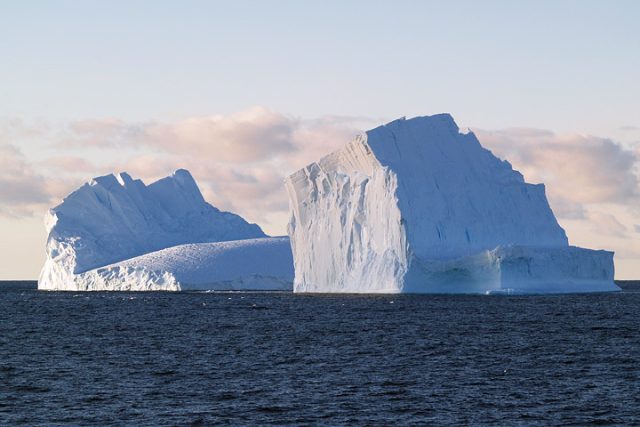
point(255, 359)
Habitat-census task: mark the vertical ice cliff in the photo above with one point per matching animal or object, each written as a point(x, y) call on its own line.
point(418, 206)
point(114, 218)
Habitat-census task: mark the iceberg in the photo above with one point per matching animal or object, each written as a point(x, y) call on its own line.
point(418, 206)
point(116, 233)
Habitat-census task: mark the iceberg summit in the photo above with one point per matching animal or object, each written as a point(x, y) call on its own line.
point(417, 206)
point(116, 233)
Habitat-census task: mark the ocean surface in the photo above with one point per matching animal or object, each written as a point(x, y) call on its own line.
point(271, 358)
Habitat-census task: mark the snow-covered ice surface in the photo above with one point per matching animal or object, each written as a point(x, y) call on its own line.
point(419, 206)
point(116, 233)
point(251, 264)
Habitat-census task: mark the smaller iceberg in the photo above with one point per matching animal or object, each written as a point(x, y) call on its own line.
point(116, 233)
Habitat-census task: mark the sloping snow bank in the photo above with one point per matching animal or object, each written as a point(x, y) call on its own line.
point(252, 264)
point(116, 233)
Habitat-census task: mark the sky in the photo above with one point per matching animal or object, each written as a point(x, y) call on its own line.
point(244, 92)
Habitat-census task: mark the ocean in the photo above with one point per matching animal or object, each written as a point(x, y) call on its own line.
point(282, 359)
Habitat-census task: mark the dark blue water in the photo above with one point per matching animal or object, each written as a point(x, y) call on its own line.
point(256, 359)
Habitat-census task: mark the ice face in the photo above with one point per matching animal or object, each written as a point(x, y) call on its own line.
point(371, 216)
point(114, 217)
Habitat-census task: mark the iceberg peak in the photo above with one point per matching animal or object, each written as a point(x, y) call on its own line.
point(114, 217)
point(116, 233)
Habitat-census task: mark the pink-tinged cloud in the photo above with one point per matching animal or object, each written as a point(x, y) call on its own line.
point(68, 164)
point(248, 136)
point(576, 169)
point(607, 224)
point(22, 190)
point(240, 159)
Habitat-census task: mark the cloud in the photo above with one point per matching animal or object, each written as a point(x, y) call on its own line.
point(244, 137)
point(249, 136)
point(576, 169)
point(592, 183)
point(629, 128)
point(607, 224)
point(96, 133)
point(254, 191)
point(68, 164)
point(239, 160)
point(567, 209)
point(254, 135)
point(17, 129)
point(22, 190)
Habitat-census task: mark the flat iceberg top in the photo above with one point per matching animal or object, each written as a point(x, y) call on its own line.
point(116, 217)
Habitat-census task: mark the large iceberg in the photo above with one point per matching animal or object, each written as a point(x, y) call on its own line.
point(116, 233)
point(418, 206)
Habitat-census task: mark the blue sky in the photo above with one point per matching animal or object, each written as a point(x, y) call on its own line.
point(78, 77)
point(564, 65)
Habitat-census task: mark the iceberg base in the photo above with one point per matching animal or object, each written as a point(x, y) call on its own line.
point(516, 270)
point(508, 270)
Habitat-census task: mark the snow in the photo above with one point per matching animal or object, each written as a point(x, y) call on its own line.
point(419, 206)
point(117, 233)
point(249, 265)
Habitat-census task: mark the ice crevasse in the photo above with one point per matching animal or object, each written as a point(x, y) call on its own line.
point(418, 206)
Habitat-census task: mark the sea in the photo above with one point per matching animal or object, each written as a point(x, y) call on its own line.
point(229, 358)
